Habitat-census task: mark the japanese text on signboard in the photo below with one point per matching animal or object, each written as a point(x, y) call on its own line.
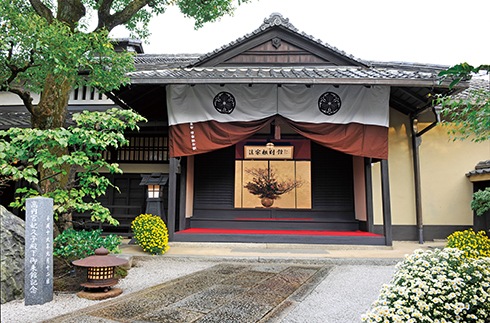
point(269, 152)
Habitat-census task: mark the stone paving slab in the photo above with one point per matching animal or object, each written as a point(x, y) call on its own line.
point(228, 292)
point(282, 251)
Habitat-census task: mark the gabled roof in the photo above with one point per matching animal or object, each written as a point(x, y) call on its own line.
point(278, 30)
point(278, 53)
point(322, 63)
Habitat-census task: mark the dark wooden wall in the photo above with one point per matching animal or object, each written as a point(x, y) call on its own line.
point(267, 54)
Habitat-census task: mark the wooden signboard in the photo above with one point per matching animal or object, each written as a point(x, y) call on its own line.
point(268, 152)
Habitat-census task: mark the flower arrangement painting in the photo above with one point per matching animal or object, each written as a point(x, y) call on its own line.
point(266, 185)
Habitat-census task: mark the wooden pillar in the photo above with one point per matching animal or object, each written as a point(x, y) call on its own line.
point(172, 196)
point(385, 191)
point(416, 141)
point(368, 182)
point(183, 192)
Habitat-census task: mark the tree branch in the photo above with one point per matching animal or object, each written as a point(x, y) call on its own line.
point(42, 10)
point(25, 96)
point(70, 12)
point(71, 178)
point(108, 21)
point(37, 187)
point(48, 177)
point(104, 11)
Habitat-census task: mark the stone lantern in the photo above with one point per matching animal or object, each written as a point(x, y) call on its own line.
point(154, 199)
point(100, 275)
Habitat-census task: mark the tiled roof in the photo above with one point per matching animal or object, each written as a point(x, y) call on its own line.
point(276, 19)
point(283, 74)
point(481, 168)
point(18, 116)
point(476, 84)
point(15, 119)
point(407, 66)
point(144, 62)
point(180, 68)
point(160, 61)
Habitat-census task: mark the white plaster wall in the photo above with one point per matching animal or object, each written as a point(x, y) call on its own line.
point(446, 191)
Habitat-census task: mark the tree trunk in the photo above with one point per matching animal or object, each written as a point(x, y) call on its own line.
point(51, 113)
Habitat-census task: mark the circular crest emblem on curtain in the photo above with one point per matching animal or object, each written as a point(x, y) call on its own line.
point(329, 103)
point(224, 102)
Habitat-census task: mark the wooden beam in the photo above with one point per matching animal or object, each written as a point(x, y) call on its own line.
point(413, 95)
point(385, 190)
point(401, 103)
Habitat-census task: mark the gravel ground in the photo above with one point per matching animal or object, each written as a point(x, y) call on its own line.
point(344, 295)
point(147, 273)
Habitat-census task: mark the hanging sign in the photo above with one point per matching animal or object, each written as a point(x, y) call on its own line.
point(269, 152)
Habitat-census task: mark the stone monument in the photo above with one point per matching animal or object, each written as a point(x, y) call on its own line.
point(39, 251)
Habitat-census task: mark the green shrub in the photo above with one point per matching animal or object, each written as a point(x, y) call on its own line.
point(150, 233)
point(72, 245)
point(435, 286)
point(481, 201)
point(473, 244)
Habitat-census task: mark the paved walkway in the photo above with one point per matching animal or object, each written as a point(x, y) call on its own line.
point(298, 253)
point(250, 282)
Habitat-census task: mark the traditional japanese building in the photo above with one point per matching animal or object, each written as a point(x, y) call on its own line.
point(279, 137)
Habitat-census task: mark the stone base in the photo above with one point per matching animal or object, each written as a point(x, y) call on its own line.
point(97, 296)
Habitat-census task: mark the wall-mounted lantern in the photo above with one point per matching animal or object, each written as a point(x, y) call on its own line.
point(154, 200)
point(100, 274)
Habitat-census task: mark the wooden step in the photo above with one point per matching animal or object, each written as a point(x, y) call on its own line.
point(288, 237)
point(275, 224)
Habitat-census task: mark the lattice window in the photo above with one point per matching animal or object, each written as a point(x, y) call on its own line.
point(141, 148)
point(87, 95)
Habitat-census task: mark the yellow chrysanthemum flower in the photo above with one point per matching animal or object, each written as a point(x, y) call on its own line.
point(150, 233)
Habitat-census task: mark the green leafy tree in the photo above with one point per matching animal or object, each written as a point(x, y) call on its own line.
point(48, 47)
point(469, 117)
point(469, 114)
point(22, 151)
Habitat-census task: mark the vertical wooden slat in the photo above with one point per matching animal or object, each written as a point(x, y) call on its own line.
point(385, 189)
point(141, 148)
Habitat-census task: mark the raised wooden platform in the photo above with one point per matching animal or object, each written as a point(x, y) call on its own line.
point(275, 224)
point(279, 236)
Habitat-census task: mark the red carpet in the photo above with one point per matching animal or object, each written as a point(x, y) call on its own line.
point(289, 232)
point(273, 219)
